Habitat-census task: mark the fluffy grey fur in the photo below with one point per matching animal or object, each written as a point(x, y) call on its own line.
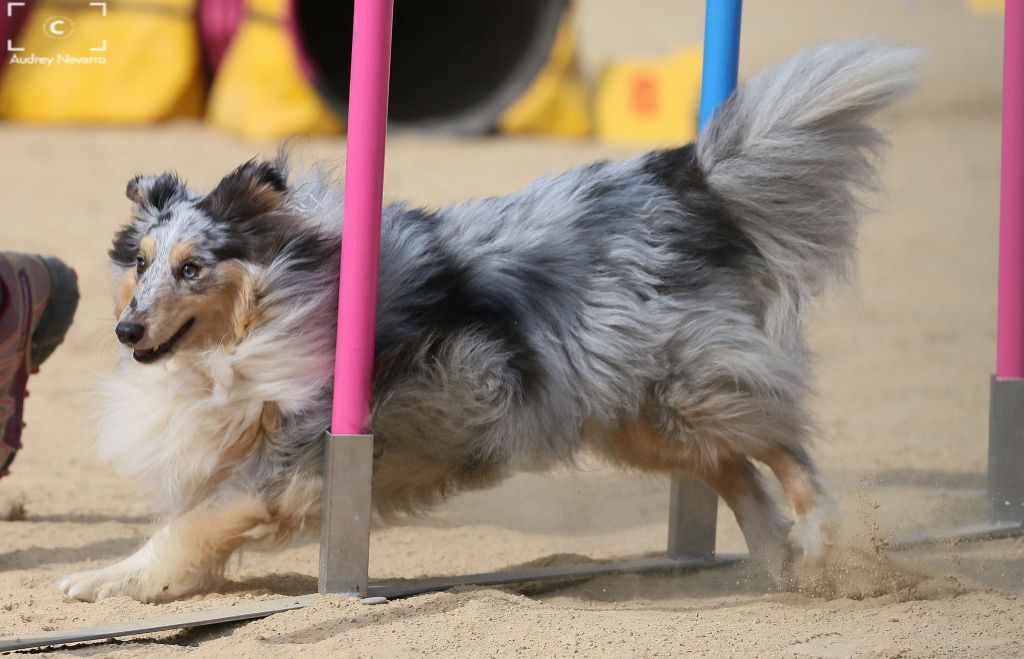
point(649, 310)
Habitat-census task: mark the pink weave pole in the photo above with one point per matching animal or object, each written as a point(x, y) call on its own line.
point(1010, 329)
point(364, 186)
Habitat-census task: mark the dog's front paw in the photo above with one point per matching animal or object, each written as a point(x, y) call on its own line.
point(122, 579)
point(96, 585)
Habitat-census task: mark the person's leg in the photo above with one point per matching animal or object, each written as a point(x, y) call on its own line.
point(38, 298)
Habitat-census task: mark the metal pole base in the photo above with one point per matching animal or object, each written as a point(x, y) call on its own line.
point(1006, 451)
point(692, 518)
point(345, 531)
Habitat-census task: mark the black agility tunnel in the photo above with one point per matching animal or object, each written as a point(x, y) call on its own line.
point(456, 65)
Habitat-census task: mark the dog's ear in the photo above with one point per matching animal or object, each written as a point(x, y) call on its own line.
point(137, 188)
point(155, 191)
point(254, 189)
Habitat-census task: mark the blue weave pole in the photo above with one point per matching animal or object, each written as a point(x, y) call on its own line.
point(721, 55)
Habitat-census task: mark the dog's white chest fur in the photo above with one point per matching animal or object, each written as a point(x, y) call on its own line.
point(169, 425)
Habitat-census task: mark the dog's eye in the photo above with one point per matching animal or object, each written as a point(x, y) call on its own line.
point(190, 271)
point(140, 264)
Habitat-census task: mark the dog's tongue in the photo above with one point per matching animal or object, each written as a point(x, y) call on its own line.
point(143, 353)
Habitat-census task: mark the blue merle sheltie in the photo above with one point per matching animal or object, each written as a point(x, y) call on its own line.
point(649, 312)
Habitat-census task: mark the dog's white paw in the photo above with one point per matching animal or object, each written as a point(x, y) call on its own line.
point(127, 579)
point(96, 585)
point(815, 532)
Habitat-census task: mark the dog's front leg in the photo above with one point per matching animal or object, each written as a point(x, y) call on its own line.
point(184, 556)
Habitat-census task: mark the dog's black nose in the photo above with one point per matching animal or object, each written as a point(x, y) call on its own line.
point(129, 333)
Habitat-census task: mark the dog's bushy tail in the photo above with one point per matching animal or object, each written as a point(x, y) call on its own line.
point(790, 152)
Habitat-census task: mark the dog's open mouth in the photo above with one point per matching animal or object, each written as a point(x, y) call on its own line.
point(153, 354)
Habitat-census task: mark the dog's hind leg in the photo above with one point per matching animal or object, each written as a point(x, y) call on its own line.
point(733, 477)
point(812, 504)
point(765, 528)
point(182, 557)
point(748, 398)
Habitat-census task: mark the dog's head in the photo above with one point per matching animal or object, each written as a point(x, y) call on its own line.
point(184, 265)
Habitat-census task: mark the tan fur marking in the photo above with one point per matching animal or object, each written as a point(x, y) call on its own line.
point(147, 246)
point(241, 447)
point(269, 422)
point(243, 311)
point(639, 445)
point(181, 253)
point(803, 495)
point(228, 311)
point(271, 418)
point(125, 292)
point(163, 319)
point(731, 481)
point(296, 506)
point(201, 540)
point(266, 197)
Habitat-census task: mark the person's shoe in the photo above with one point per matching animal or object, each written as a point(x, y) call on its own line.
point(39, 297)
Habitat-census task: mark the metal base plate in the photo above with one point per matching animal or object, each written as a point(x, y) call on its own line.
point(970, 533)
point(390, 589)
point(160, 623)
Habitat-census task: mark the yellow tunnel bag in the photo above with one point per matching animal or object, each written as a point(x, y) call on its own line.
point(259, 91)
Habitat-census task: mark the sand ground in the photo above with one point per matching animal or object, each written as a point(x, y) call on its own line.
point(905, 359)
